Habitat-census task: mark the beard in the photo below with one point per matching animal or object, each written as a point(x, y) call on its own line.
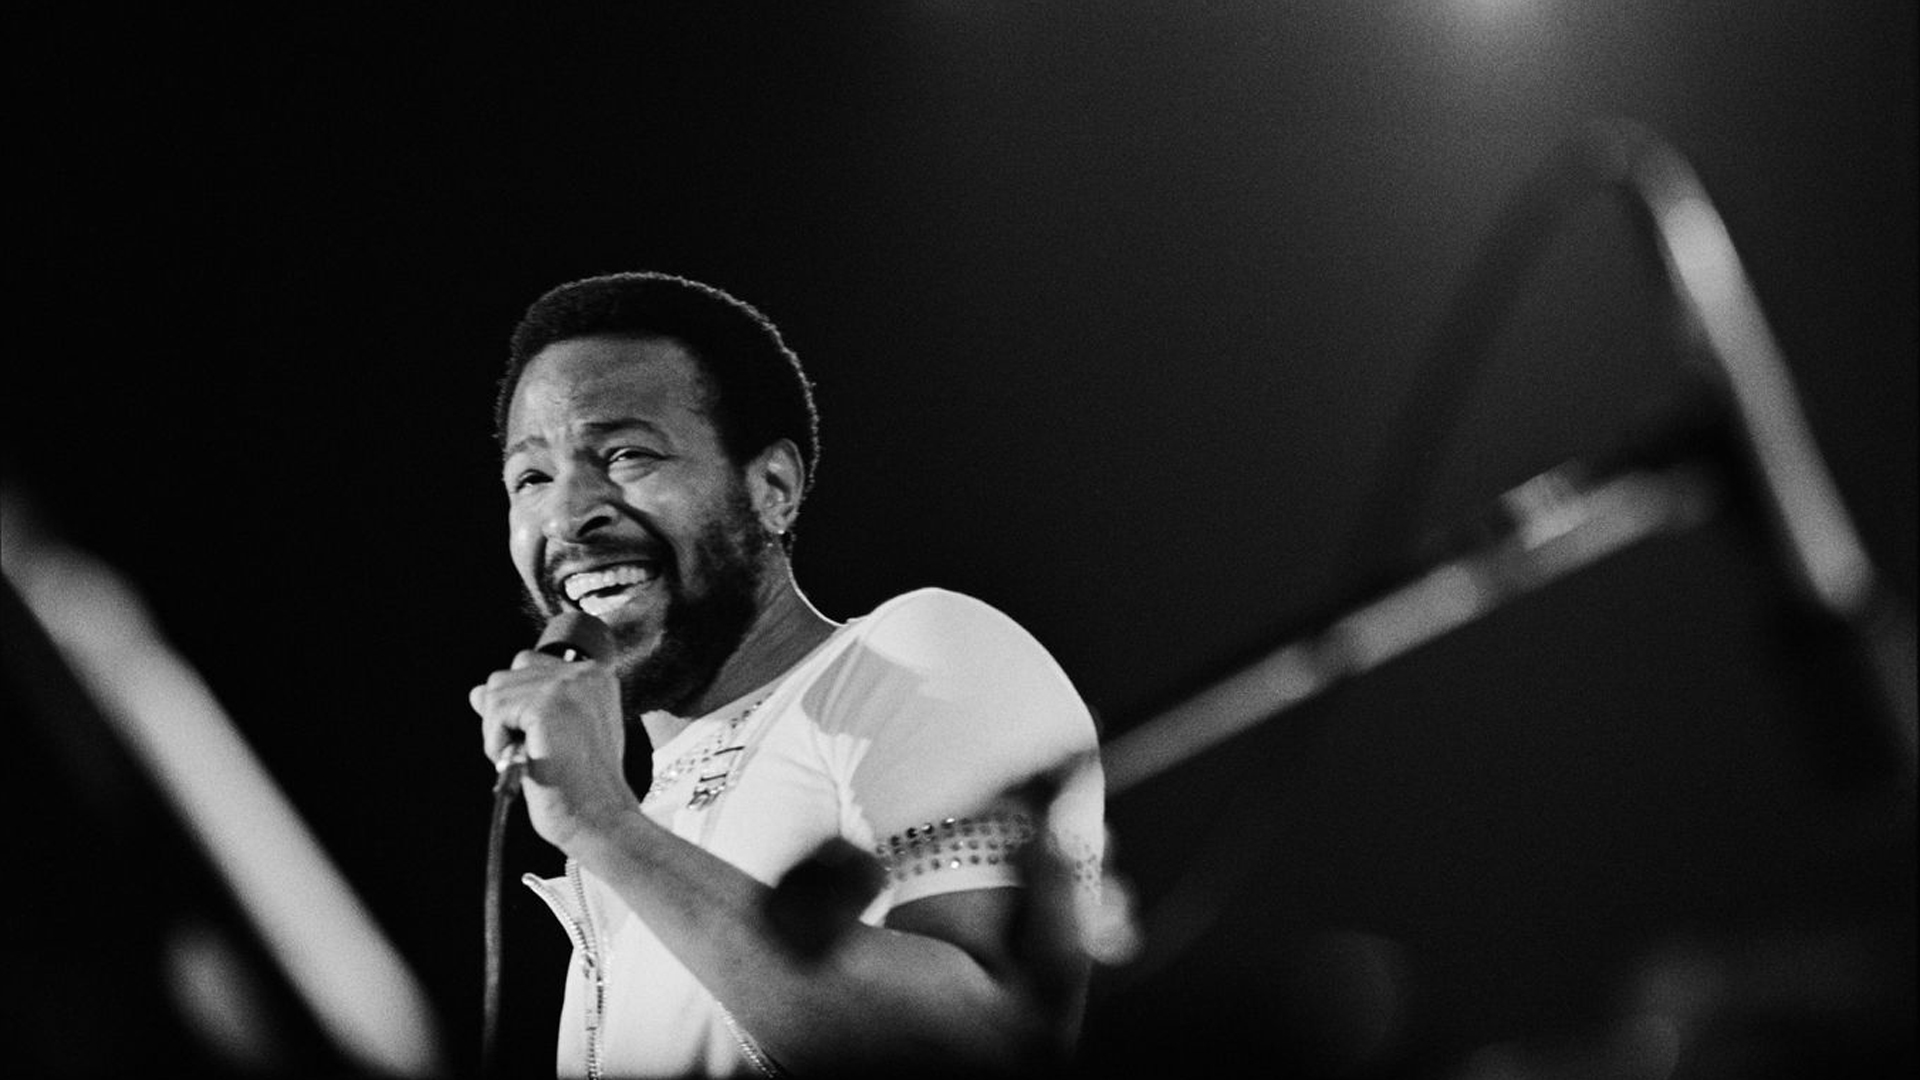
point(713, 597)
point(710, 607)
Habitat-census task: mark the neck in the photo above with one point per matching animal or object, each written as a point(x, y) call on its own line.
point(787, 628)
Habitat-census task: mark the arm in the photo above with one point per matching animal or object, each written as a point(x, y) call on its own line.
point(941, 984)
point(945, 982)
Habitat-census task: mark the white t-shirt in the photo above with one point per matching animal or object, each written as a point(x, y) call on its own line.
point(899, 734)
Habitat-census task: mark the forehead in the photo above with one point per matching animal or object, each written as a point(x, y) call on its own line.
point(595, 379)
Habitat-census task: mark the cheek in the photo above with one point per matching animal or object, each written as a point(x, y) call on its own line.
point(524, 548)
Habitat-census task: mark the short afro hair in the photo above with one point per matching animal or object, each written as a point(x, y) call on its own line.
point(760, 394)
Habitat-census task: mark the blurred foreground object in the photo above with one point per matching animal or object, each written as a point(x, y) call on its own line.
point(1522, 746)
point(1753, 453)
point(182, 908)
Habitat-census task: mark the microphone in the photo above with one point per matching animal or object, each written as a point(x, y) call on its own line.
point(576, 635)
point(570, 636)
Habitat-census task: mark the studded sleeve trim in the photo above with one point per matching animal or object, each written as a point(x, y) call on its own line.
point(953, 845)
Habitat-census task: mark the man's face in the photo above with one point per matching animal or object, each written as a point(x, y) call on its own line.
point(623, 504)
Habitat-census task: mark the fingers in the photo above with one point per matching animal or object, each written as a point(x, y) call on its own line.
point(513, 701)
point(496, 734)
point(502, 701)
point(526, 658)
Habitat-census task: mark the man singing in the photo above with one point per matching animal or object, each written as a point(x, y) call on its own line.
point(658, 438)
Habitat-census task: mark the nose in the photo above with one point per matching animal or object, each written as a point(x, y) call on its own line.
point(580, 502)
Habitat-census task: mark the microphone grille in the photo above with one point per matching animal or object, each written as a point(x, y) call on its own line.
point(578, 633)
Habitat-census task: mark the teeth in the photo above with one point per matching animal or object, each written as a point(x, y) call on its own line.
point(599, 606)
point(579, 585)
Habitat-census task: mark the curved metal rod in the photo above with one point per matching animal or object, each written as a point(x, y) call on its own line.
point(1818, 546)
point(1814, 536)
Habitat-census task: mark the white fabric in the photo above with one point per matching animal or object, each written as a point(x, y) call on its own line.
point(925, 710)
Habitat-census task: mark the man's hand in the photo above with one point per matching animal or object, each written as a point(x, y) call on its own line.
point(567, 714)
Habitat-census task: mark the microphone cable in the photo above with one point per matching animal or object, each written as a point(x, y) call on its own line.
point(506, 787)
point(572, 636)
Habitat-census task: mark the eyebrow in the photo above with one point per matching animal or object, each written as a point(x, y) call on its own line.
point(588, 427)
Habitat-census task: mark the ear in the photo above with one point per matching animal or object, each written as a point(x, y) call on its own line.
point(775, 480)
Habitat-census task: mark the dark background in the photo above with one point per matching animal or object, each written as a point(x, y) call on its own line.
point(1113, 313)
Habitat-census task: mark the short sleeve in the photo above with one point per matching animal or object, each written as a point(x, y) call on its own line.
point(945, 706)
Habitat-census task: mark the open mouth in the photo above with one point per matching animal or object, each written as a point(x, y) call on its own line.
point(606, 589)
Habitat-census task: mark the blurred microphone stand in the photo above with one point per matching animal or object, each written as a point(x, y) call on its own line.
point(1754, 451)
point(1554, 524)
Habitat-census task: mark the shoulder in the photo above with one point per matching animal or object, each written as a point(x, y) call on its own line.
point(934, 649)
point(938, 619)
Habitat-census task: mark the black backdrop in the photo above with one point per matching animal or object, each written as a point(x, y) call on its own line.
point(1112, 311)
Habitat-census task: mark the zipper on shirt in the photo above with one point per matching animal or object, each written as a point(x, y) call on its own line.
point(585, 942)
